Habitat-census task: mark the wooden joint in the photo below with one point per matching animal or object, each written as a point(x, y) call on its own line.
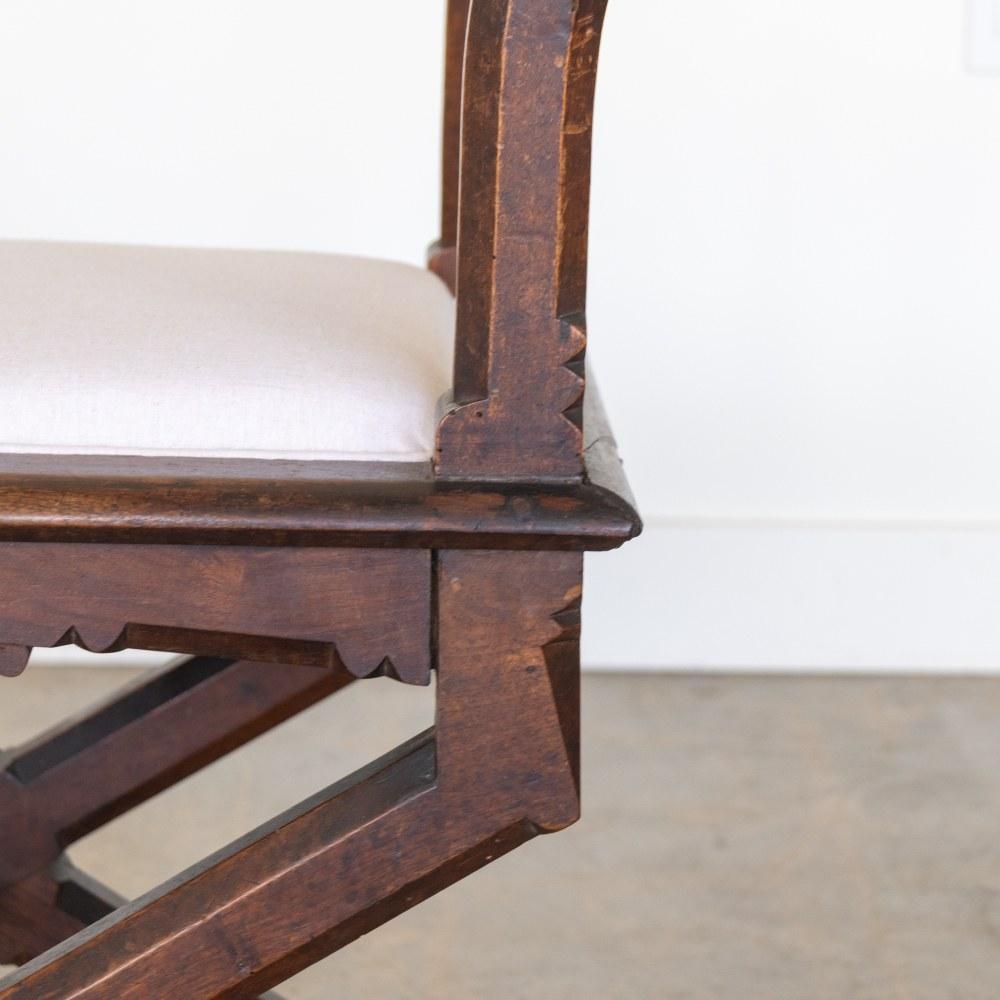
point(141, 741)
point(522, 243)
point(500, 767)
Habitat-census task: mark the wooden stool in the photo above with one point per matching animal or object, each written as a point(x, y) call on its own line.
point(287, 578)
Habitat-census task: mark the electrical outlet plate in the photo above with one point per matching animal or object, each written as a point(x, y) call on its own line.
point(984, 36)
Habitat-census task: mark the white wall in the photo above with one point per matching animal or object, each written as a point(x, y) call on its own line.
point(797, 318)
point(795, 310)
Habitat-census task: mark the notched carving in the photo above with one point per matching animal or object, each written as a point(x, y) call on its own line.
point(494, 438)
point(523, 243)
point(363, 611)
point(562, 660)
point(100, 639)
point(575, 332)
point(514, 617)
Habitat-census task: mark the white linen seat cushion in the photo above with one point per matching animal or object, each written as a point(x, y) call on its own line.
point(125, 350)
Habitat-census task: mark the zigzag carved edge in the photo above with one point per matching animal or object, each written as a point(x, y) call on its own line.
point(15, 657)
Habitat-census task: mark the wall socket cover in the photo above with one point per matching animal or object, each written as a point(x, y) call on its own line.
point(983, 49)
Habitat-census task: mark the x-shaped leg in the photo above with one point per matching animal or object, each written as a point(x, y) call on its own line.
point(500, 766)
point(97, 766)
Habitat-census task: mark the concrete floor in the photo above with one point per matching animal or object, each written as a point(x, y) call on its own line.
point(744, 838)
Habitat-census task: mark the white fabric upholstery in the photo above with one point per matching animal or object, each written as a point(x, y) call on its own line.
point(224, 353)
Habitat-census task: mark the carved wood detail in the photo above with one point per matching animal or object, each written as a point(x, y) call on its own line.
point(100, 499)
point(522, 247)
point(365, 610)
point(271, 570)
point(497, 770)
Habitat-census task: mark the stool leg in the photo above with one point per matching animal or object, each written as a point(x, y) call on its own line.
point(499, 768)
point(96, 766)
point(46, 908)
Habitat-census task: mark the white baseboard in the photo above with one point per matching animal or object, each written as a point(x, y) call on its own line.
point(784, 596)
point(735, 596)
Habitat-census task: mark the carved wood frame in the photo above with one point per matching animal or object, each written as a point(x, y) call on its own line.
point(367, 611)
point(522, 231)
point(500, 767)
point(287, 582)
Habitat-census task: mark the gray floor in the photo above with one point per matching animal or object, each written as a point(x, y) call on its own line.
point(829, 839)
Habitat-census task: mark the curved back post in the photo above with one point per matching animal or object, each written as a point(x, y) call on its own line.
point(527, 111)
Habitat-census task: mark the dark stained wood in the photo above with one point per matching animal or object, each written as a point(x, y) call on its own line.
point(142, 740)
point(367, 611)
point(442, 258)
point(456, 29)
point(238, 909)
point(499, 768)
point(522, 248)
point(510, 622)
point(290, 579)
point(31, 921)
point(145, 739)
point(174, 501)
point(46, 908)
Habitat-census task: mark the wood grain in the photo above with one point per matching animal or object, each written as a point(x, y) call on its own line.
point(498, 769)
point(522, 246)
point(366, 611)
point(225, 502)
point(442, 258)
point(96, 766)
point(290, 579)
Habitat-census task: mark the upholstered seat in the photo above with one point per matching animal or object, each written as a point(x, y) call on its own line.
point(219, 353)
